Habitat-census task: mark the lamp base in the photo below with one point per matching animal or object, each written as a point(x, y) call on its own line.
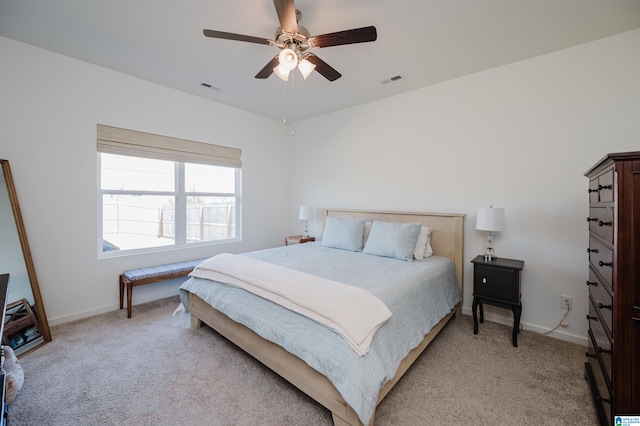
point(488, 255)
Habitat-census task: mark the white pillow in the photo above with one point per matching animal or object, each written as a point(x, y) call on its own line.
point(392, 239)
point(367, 229)
point(343, 233)
point(423, 245)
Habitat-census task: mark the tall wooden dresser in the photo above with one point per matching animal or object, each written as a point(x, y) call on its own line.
point(613, 356)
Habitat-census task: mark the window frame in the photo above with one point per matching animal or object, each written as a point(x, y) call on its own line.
point(128, 141)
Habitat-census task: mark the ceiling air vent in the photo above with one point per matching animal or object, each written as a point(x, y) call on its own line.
point(392, 79)
point(209, 86)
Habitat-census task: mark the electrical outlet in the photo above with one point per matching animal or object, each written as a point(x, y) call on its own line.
point(566, 302)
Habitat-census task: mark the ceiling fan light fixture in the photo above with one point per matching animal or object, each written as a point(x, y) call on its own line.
point(282, 72)
point(288, 59)
point(306, 68)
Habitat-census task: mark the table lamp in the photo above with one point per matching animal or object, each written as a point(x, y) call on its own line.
point(304, 214)
point(490, 219)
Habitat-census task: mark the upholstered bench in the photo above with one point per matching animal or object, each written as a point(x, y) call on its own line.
point(152, 274)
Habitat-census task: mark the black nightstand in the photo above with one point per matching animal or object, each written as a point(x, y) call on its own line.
point(497, 283)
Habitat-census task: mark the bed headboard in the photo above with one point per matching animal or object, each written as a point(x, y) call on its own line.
point(446, 235)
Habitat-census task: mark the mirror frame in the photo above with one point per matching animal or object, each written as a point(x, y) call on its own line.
point(24, 243)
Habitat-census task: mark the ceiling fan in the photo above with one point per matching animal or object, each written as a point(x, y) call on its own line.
point(294, 40)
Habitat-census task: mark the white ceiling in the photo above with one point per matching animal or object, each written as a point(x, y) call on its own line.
point(424, 41)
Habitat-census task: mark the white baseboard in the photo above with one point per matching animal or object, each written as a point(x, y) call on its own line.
point(508, 320)
point(109, 308)
point(489, 316)
point(83, 314)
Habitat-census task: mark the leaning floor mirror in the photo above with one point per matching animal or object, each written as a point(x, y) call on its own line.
point(25, 325)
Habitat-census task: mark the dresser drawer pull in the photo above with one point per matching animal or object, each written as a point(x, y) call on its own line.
point(590, 355)
point(601, 263)
point(589, 317)
point(590, 250)
point(595, 284)
point(605, 187)
point(601, 223)
point(601, 306)
point(601, 399)
point(592, 219)
point(605, 351)
point(592, 190)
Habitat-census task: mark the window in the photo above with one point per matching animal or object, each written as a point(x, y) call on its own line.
point(151, 196)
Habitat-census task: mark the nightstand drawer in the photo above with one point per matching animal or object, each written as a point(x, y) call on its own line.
point(497, 283)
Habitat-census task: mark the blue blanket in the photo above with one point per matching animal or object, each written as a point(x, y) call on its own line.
point(419, 294)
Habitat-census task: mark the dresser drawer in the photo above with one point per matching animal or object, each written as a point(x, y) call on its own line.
point(601, 222)
point(497, 283)
point(602, 299)
point(599, 386)
point(601, 188)
point(594, 197)
point(605, 187)
point(601, 257)
point(601, 343)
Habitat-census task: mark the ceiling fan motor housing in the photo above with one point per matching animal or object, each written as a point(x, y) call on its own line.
point(298, 41)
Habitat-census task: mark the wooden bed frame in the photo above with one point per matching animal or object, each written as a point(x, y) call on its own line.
point(446, 240)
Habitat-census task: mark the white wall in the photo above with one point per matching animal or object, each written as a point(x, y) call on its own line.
point(519, 137)
point(49, 107)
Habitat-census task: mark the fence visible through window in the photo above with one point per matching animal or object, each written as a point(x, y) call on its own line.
point(129, 226)
point(208, 222)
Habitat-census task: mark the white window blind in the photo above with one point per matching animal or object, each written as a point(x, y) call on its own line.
point(114, 140)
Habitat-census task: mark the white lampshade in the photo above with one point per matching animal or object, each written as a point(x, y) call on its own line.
point(288, 59)
point(306, 68)
point(490, 219)
point(282, 72)
point(304, 213)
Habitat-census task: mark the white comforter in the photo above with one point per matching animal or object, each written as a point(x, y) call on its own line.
point(352, 312)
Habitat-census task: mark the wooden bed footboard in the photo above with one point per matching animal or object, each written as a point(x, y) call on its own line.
point(288, 366)
point(295, 370)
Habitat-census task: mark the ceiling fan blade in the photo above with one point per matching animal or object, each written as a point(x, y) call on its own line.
point(268, 69)
point(323, 68)
point(286, 11)
point(356, 35)
point(237, 37)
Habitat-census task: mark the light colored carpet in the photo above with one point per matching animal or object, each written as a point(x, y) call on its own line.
point(153, 369)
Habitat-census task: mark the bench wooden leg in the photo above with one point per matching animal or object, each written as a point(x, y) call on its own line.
point(121, 291)
point(129, 294)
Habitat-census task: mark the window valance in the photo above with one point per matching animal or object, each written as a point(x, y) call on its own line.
point(119, 141)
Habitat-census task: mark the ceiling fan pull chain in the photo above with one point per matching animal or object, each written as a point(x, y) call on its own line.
point(293, 97)
point(284, 102)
